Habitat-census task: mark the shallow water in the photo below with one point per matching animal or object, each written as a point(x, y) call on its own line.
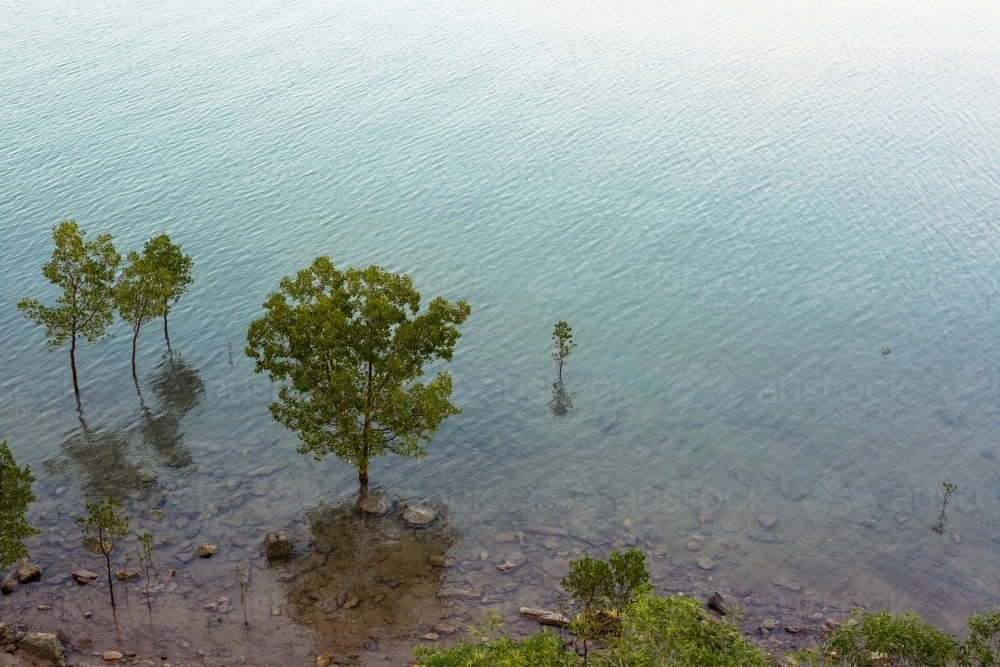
point(735, 206)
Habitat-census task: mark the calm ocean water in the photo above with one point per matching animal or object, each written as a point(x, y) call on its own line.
point(735, 206)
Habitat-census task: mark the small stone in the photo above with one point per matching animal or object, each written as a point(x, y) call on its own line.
point(444, 628)
point(956, 538)
point(630, 539)
point(758, 536)
point(324, 660)
point(512, 562)
point(6, 634)
point(504, 538)
point(431, 636)
point(717, 603)
point(9, 583)
point(706, 563)
point(442, 561)
point(484, 555)
point(43, 607)
point(28, 572)
point(706, 516)
point(128, 575)
point(206, 550)
point(461, 593)
point(538, 529)
point(551, 542)
point(767, 521)
point(693, 545)
point(351, 604)
point(88, 614)
point(277, 547)
point(859, 600)
point(44, 646)
point(376, 504)
point(419, 515)
point(84, 577)
point(618, 544)
point(112, 655)
point(627, 522)
point(787, 584)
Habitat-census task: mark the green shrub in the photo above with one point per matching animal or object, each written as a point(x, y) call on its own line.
point(882, 640)
point(542, 649)
point(662, 631)
point(981, 647)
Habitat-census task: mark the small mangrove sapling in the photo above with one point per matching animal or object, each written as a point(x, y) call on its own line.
point(104, 522)
point(946, 491)
point(563, 337)
point(244, 574)
point(145, 560)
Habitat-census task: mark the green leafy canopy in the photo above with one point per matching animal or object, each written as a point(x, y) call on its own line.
point(15, 496)
point(349, 347)
point(85, 270)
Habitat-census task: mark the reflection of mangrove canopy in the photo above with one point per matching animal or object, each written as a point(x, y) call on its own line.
point(369, 570)
point(106, 457)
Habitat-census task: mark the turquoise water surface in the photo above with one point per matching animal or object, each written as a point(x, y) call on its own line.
point(735, 205)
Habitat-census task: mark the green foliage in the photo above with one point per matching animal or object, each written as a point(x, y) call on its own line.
point(657, 632)
point(105, 522)
point(982, 646)
point(172, 268)
point(85, 271)
point(609, 585)
point(15, 495)
point(350, 345)
point(542, 649)
point(882, 640)
point(676, 631)
point(563, 337)
point(140, 294)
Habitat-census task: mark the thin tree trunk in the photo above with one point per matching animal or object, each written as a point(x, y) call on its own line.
point(135, 337)
point(72, 363)
point(166, 334)
point(111, 586)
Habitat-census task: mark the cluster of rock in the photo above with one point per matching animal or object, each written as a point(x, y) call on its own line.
point(25, 573)
point(41, 645)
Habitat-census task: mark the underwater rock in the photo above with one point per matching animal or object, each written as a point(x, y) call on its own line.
point(277, 547)
point(376, 504)
point(419, 515)
point(206, 550)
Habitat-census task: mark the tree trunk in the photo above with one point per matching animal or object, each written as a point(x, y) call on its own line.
point(135, 338)
point(166, 334)
point(111, 586)
point(363, 477)
point(72, 363)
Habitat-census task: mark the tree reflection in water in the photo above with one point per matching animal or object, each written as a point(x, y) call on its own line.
point(369, 579)
point(106, 457)
point(562, 400)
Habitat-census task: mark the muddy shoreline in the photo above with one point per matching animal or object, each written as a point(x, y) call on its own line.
point(367, 588)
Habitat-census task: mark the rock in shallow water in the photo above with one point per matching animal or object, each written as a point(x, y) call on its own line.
point(43, 646)
point(83, 577)
point(277, 547)
point(206, 550)
point(28, 572)
point(9, 584)
point(375, 504)
point(419, 515)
